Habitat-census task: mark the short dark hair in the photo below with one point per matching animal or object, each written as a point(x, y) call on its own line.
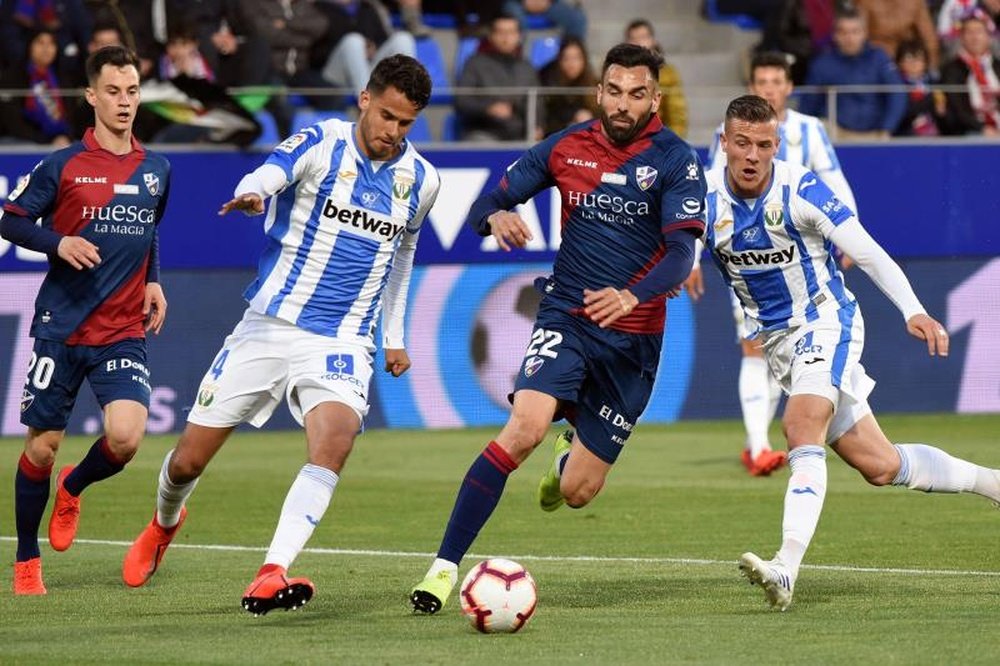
point(911, 47)
point(633, 55)
point(773, 59)
point(404, 73)
point(117, 56)
point(848, 12)
point(750, 109)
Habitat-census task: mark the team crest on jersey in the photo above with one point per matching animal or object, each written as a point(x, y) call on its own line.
point(692, 171)
point(532, 365)
point(152, 183)
point(645, 176)
point(26, 399)
point(402, 187)
point(774, 215)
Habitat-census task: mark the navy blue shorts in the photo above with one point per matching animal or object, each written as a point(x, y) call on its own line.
point(603, 378)
point(57, 370)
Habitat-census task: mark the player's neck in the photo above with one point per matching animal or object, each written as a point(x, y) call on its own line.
point(117, 143)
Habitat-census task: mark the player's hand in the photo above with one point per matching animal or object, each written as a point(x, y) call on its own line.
point(927, 328)
point(694, 284)
point(78, 252)
point(154, 307)
point(396, 361)
point(509, 230)
point(248, 204)
point(608, 305)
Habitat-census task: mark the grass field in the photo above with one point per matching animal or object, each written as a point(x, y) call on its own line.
point(646, 574)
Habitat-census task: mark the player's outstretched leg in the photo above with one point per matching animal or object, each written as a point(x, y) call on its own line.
point(65, 514)
point(550, 496)
point(145, 553)
point(272, 588)
point(477, 498)
point(772, 575)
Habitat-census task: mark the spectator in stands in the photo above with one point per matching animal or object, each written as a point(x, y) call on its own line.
point(853, 61)
point(144, 25)
point(566, 15)
point(232, 47)
point(925, 110)
point(497, 64)
point(39, 117)
point(360, 35)
point(673, 111)
point(949, 22)
point(67, 19)
point(181, 56)
point(974, 66)
point(292, 28)
point(891, 23)
point(570, 69)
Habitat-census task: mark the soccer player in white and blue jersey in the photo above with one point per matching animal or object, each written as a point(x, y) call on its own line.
point(772, 228)
point(803, 141)
point(347, 204)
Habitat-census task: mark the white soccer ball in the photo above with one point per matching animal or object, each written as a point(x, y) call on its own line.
point(499, 596)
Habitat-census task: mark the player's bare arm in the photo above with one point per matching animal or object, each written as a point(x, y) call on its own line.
point(608, 305)
point(509, 230)
point(925, 327)
point(154, 307)
point(397, 361)
point(248, 204)
point(695, 284)
point(78, 252)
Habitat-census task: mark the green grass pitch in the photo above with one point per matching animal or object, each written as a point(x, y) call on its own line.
point(646, 574)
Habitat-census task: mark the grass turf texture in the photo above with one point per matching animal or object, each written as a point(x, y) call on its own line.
point(677, 493)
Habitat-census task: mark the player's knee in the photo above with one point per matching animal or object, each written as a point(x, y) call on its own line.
point(41, 450)
point(183, 469)
point(123, 442)
point(522, 435)
point(579, 493)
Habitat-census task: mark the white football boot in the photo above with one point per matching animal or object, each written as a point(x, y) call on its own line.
point(772, 575)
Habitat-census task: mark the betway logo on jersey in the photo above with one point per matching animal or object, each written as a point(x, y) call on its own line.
point(362, 222)
point(759, 257)
point(606, 207)
point(118, 213)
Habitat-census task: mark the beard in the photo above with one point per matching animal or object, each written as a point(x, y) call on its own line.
point(619, 133)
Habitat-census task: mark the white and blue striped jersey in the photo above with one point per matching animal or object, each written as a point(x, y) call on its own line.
point(774, 251)
point(804, 141)
point(336, 229)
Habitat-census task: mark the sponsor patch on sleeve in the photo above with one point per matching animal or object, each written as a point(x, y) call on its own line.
point(292, 142)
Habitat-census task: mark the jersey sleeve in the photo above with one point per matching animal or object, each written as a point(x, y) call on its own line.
point(294, 154)
point(428, 193)
point(818, 206)
point(35, 195)
point(682, 202)
point(823, 161)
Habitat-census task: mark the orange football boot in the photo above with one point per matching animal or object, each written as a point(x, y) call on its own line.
point(28, 577)
point(145, 553)
point(65, 514)
point(272, 588)
point(768, 461)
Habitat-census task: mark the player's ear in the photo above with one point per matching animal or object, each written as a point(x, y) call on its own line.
point(364, 99)
point(90, 96)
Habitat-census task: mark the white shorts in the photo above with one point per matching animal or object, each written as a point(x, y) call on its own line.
point(265, 358)
point(823, 358)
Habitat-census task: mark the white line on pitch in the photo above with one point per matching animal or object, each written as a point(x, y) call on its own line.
point(548, 558)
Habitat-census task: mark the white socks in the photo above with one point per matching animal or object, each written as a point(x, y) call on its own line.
point(927, 468)
point(170, 496)
point(756, 402)
point(304, 506)
point(803, 503)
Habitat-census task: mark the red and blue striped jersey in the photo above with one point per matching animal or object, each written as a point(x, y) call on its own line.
point(116, 203)
point(618, 202)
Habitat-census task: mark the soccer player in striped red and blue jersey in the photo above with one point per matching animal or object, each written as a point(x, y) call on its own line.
point(100, 201)
point(632, 197)
point(347, 204)
point(772, 230)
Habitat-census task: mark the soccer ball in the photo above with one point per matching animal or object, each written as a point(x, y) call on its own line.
point(499, 596)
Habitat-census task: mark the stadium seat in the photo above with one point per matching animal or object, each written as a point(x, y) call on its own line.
point(306, 117)
point(742, 21)
point(429, 54)
point(421, 130)
point(451, 128)
point(543, 51)
point(466, 47)
point(269, 130)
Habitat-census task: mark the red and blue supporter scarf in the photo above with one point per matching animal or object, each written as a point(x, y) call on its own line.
point(44, 107)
